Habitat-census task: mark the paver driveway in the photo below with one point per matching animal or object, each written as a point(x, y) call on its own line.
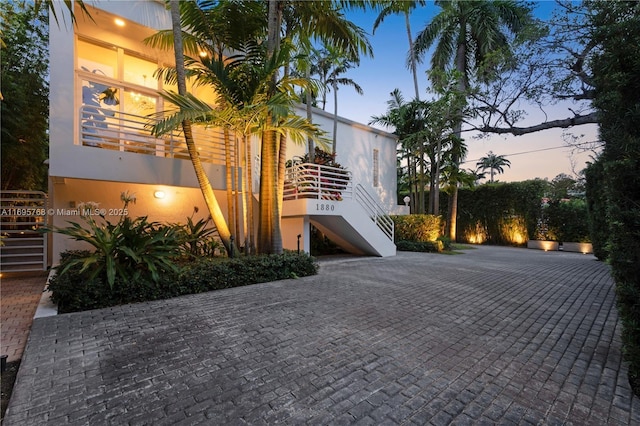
point(492, 336)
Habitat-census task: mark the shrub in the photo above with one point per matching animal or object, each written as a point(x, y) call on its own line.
point(73, 289)
point(76, 290)
point(568, 220)
point(130, 249)
point(417, 227)
point(196, 239)
point(500, 213)
point(215, 274)
point(420, 246)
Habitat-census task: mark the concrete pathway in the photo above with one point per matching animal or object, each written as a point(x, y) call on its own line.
point(492, 336)
point(19, 297)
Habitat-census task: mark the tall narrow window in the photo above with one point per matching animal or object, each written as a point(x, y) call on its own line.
point(376, 167)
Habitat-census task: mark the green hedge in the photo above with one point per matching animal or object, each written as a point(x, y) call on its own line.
point(417, 227)
point(500, 213)
point(420, 246)
point(568, 220)
point(74, 291)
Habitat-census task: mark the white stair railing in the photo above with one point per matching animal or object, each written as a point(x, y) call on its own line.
point(306, 180)
point(376, 213)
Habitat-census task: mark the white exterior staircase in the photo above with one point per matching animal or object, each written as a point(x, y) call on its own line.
point(345, 212)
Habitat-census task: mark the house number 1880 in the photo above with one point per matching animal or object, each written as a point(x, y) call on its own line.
point(325, 207)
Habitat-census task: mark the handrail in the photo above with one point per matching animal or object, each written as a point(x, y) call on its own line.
point(109, 129)
point(306, 180)
point(376, 213)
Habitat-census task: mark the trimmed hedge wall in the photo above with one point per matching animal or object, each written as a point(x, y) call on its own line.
point(500, 213)
point(417, 227)
point(74, 291)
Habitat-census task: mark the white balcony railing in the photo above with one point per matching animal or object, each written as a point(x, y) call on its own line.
point(316, 181)
point(120, 131)
point(320, 182)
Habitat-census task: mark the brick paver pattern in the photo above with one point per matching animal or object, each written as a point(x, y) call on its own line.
point(492, 336)
point(19, 297)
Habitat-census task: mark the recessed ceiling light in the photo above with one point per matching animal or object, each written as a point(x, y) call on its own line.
point(119, 22)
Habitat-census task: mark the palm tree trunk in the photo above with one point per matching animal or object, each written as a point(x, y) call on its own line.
point(248, 191)
point(412, 54)
point(203, 180)
point(276, 244)
point(461, 56)
point(310, 145)
point(268, 232)
point(335, 117)
point(268, 184)
point(229, 178)
point(436, 183)
point(237, 202)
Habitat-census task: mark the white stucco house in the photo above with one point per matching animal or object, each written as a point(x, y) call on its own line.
point(102, 88)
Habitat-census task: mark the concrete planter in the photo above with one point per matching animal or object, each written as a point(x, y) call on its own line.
point(578, 247)
point(543, 245)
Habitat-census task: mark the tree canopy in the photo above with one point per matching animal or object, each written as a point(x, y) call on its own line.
point(25, 96)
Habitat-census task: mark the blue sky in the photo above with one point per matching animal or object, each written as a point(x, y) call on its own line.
point(387, 70)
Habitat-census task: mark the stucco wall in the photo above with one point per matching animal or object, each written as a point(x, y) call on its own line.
point(177, 204)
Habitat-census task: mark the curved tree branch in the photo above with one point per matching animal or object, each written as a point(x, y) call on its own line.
point(563, 123)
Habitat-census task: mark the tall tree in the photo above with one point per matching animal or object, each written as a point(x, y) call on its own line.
point(339, 63)
point(25, 93)
point(405, 7)
point(322, 20)
point(551, 65)
point(466, 35)
point(616, 31)
point(203, 180)
point(494, 163)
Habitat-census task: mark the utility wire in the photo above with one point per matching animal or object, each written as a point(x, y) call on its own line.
point(535, 150)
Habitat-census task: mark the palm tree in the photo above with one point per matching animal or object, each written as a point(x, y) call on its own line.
point(338, 63)
point(322, 20)
point(495, 164)
point(408, 119)
point(466, 33)
point(203, 180)
point(405, 7)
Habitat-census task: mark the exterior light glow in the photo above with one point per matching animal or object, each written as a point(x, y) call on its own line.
point(119, 22)
point(159, 194)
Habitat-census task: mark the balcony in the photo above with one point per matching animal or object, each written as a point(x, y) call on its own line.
point(119, 131)
point(337, 206)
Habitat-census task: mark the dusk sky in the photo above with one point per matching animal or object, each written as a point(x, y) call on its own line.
point(378, 76)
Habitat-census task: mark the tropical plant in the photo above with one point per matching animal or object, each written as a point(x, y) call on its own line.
point(320, 20)
point(205, 186)
point(24, 100)
point(329, 64)
point(405, 7)
point(494, 163)
point(466, 34)
point(129, 249)
point(197, 238)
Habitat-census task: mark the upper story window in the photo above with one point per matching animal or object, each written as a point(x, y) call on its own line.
point(97, 59)
point(140, 71)
point(116, 63)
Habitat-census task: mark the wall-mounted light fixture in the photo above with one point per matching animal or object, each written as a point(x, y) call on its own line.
point(159, 194)
point(119, 22)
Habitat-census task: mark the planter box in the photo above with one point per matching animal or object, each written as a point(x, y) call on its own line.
point(543, 245)
point(578, 247)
